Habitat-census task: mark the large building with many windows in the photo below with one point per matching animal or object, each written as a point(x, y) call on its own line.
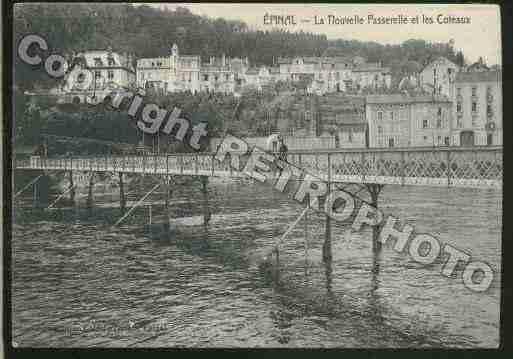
point(105, 71)
point(178, 72)
point(438, 76)
point(477, 110)
point(400, 120)
point(335, 74)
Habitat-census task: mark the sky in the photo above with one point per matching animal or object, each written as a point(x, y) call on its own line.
point(480, 37)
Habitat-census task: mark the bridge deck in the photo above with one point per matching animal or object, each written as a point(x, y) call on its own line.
point(479, 167)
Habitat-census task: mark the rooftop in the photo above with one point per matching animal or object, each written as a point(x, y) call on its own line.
point(316, 60)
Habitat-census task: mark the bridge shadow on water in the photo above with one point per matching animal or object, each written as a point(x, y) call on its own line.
point(298, 295)
point(310, 294)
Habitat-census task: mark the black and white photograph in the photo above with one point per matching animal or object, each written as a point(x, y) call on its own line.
point(255, 175)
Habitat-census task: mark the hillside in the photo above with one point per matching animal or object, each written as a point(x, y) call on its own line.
point(146, 32)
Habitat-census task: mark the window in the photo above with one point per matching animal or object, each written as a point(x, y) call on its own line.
point(458, 107)
point(380, 129)
point(380, 115)
point(446, 140)
point(216, 77)
point(425, 138)
point(439, 113)
point(489, 139)
point(439, 140)
point(474, 106)
point(97, 61)
point(110, 61)
point(80, 77)
point(390, 142)
point(439, 123)
point(110, 75)
point(458, 123)
point(458, 91)
point(227, 77)
point(474, 91)
point(424, 123)
point(205, 77)
point(474, 121)
point(434, 73)
point(97, 74)
point(350, 136)
point(489, 109)
point(391, 115)
point(152, 64)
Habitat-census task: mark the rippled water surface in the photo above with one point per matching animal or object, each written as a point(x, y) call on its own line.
point(79, 282)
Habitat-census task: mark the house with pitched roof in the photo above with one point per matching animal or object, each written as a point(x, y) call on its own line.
point(402, 120)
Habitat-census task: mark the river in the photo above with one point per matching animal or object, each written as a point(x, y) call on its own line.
point(78, 282)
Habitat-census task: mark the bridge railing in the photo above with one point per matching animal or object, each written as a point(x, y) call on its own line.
point(475, 166)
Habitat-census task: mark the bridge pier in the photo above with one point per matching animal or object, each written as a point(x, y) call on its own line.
point(34, 197)
point(122, 199)
point(374, 191)
point(206, 208)
point(306, 244)
point(89, 203)
point(167, 188)
point(72, 188)
point(326, 247)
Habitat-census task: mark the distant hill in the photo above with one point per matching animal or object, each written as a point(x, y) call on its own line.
point(146, 32)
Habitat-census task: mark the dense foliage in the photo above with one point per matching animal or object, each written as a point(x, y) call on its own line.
point(147, 32)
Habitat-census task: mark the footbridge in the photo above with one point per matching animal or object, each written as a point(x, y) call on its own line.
point(476, 167)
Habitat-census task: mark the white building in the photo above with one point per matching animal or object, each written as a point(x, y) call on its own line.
point(438, 77)
point(400, 120)
point(477, 108)
point(105, 71)
point(170, 73)
point(178, 72)
point(335, 74)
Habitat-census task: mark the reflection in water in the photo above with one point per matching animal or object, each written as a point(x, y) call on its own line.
point(328, 270)
point(211, 286)
point(374, 299)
